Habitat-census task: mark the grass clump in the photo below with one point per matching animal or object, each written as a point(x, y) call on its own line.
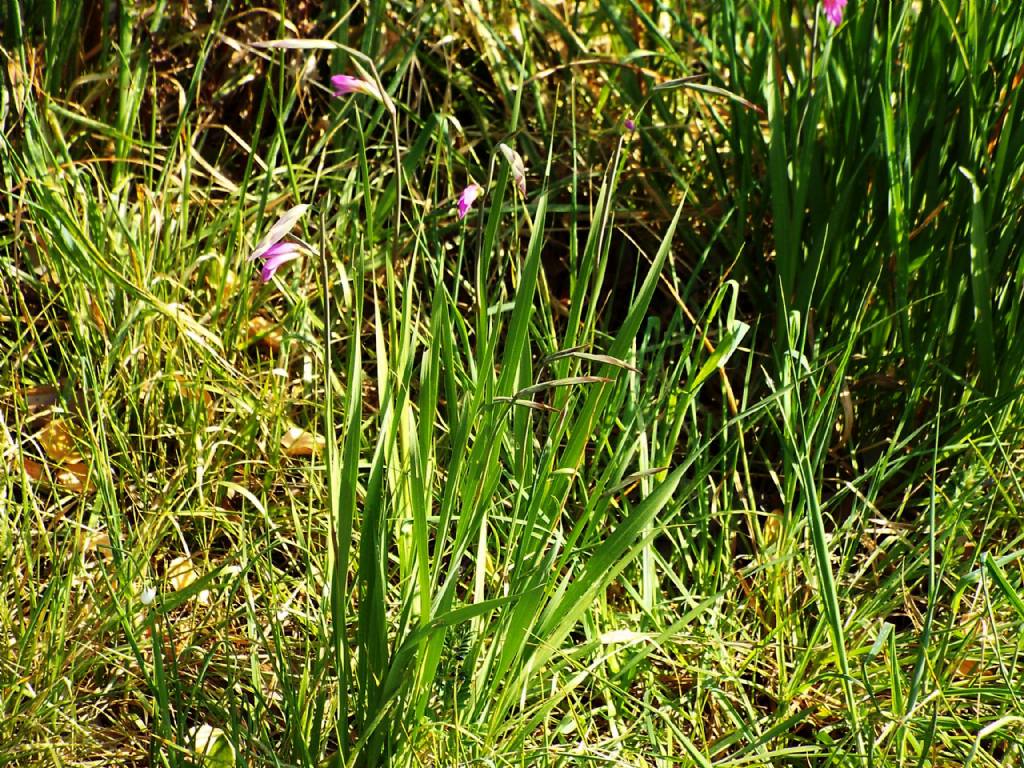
point(693, 443)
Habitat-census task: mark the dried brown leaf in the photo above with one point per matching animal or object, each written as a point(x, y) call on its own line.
point(58, 442)
point(265, 332)
point(181, 573)
point(98, 543)
point(299, 442)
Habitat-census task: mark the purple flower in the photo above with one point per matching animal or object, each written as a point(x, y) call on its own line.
point(467, 198)
point(278, 254)
point(346, 84)
point(630, 124)
point(834, 11)
point(274, 250)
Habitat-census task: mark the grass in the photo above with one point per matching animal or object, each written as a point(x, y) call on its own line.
point(703, 452)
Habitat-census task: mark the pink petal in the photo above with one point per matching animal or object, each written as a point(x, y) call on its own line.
point(281, 256)
point(346, 84)
point(834, 11)
point(283, 249)
point(630, 124)
point(467, 198)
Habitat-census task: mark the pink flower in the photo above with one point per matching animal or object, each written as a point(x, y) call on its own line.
point(630, 124)
point(346, 84)
point(274, 250)
point(516, 165)
point(467, 198)
point(834, 11)
point(278, 254)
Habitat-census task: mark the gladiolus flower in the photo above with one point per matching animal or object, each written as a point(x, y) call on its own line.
point(467, 198)
point(346, 84)
point(274, 249)
point(834, 11)
point(516, 165)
